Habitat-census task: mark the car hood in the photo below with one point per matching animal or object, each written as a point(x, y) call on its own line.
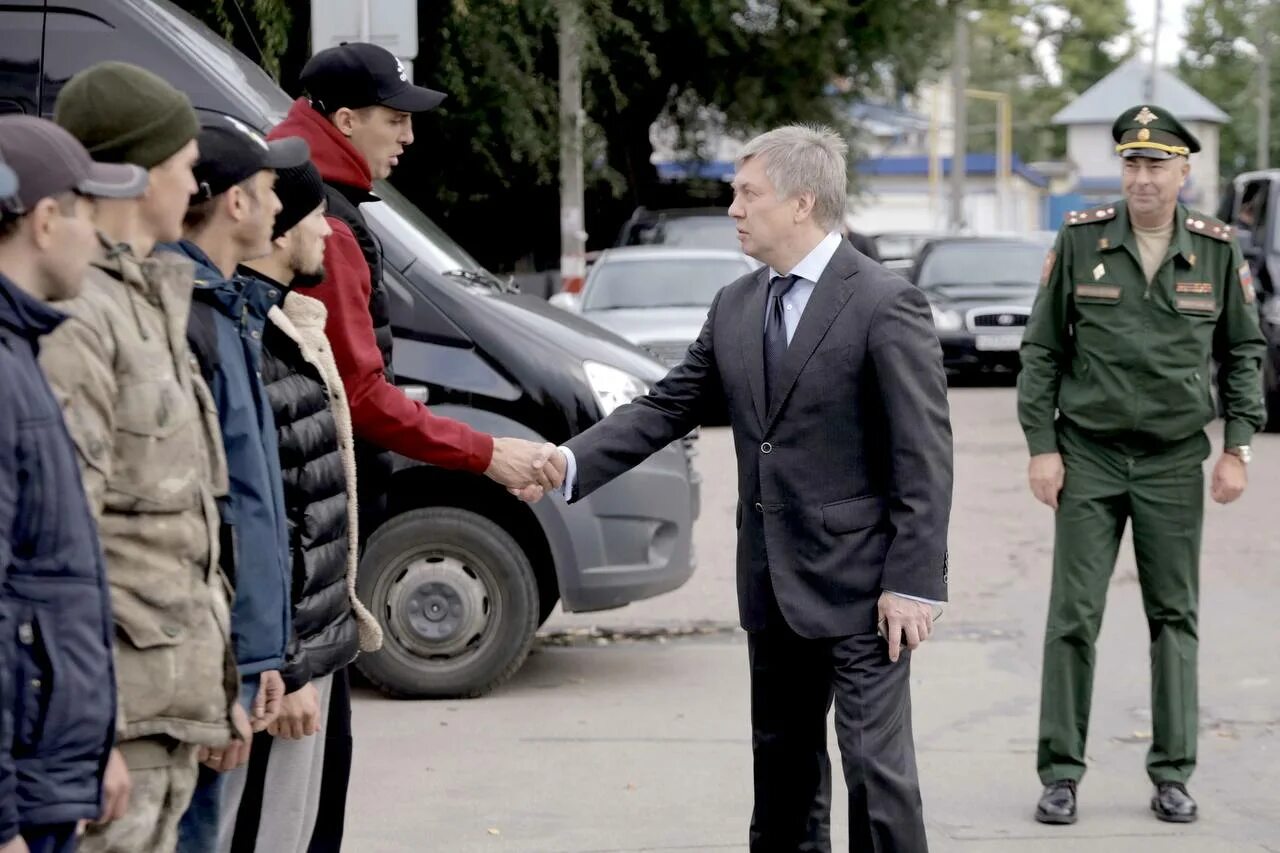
point(963, 298)
point(651, 325)
point(591, 341)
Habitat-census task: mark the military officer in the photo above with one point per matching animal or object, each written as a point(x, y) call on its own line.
point(1137, 299)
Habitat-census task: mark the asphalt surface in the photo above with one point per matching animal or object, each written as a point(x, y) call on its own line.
point(629, 730)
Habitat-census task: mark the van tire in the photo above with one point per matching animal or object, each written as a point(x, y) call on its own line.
point(457, 600)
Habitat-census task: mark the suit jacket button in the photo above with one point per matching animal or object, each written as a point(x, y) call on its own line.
point(759, 507)
point(766, 448)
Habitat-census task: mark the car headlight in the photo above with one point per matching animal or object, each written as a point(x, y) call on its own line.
point(946, 320)
point(612, 387)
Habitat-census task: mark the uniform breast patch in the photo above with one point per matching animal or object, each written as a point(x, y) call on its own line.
point(1201, 304)
point(1201, 287)
point(1245, 272)
point(1098, 291)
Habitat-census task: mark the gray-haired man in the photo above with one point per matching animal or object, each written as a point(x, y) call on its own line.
point(832, 378)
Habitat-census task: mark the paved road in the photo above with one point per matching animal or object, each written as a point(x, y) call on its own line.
point(644, 744)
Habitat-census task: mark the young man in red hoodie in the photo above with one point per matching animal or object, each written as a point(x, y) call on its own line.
point(358, 119)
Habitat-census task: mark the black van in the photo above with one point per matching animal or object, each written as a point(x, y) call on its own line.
point(462, 574)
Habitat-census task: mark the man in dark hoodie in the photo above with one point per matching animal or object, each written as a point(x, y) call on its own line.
point(55, 608)
point(230, 221)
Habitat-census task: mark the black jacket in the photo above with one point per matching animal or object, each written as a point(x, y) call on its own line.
point(57, 680)
point(844, 488)
point(325, 636)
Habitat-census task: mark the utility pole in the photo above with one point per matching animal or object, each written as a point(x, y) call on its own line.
point(573, 234)
point(1150, 88)
point(1264, 101)
point(960, 115)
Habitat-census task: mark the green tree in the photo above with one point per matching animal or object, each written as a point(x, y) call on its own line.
point(1220, 61)
point(1042, 54)
point(486, 163)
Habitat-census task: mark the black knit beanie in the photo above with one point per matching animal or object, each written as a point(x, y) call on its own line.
point(126, 114)
point(300, 191)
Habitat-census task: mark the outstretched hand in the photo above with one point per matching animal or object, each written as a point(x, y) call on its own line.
point(550, 468)
point(522, 467)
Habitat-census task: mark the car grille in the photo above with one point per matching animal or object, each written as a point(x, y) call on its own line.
point(998, 318)
point(669, 353)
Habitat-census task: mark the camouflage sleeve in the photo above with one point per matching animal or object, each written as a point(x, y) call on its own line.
point(1046, 351)
point(77, 360)
point(1239, 347)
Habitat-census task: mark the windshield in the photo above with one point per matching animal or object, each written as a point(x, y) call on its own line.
point(659, 283)
point(425, 241)
point(700, 232)
point(982, 264)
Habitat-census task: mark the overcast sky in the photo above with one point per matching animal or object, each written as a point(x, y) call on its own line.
point(1172, 26)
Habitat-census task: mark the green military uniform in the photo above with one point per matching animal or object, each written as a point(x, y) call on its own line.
point(1116, 377)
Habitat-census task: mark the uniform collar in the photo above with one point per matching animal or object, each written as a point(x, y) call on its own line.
point(1119, 231)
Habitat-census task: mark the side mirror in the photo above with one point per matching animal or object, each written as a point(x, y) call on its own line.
point(568, 301)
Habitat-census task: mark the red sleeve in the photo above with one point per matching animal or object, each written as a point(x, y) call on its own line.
point(380, 412)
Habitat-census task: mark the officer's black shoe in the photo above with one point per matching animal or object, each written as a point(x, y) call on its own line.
point(1057, 803)
point(1172, 803)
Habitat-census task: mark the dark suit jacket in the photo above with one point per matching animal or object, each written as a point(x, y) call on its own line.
point(845, 486)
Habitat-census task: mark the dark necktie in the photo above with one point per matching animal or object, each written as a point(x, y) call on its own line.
point(775, 335)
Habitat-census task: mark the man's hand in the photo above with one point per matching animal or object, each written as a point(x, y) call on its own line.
point(904, 617)
point(266, 705)
point(14, 845)
point(116, 787)
point(552, 468)
point(1046, 475)
point(1230, 476)
point(519, 464)
point(236, 752)
point(300, 716)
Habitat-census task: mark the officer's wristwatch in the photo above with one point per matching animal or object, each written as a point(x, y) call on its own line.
point(1244, 453)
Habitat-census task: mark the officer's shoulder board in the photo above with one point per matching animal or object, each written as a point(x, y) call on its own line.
point(1096, 214)
point(1198, 223)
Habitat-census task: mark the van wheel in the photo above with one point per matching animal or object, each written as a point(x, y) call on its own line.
point(457, 601)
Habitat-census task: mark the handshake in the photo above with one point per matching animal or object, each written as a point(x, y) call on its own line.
point(528, 469)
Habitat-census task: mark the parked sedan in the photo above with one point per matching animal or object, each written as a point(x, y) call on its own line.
point(656, 297)
point(981, 291)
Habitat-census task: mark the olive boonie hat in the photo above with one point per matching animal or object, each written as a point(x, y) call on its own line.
point(1153, 132)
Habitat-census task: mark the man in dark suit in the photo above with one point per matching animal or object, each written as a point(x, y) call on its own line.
point(832, 377)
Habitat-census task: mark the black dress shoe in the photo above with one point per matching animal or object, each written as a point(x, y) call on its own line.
point(1057, 803)
point(1172, 803)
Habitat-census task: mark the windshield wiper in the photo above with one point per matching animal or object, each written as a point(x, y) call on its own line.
point(483, 279)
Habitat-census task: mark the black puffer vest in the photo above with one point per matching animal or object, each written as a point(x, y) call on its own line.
point(315, 494)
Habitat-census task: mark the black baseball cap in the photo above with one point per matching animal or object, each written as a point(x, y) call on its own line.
point(231, 151)
point(48, 161)
point(359, 74)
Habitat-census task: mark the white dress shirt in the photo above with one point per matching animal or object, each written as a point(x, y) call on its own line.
point(808, 272)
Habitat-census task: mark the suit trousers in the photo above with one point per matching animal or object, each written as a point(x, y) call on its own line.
point(1160, 490)
point(794, 683)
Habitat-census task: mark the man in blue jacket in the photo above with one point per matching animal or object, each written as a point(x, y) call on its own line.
point(229, 222)
point(56, 675)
